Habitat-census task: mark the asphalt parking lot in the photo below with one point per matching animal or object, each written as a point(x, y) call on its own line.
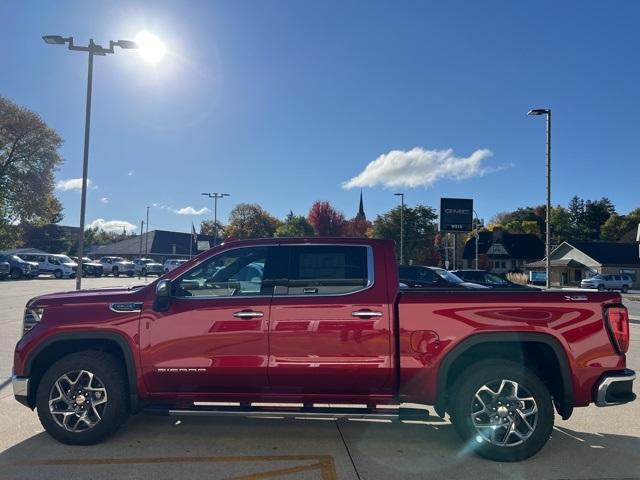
point(594, 444)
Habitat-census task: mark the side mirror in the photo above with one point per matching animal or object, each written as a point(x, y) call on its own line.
point(163, 296)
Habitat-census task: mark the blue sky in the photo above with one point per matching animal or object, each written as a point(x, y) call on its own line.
point(282, 102)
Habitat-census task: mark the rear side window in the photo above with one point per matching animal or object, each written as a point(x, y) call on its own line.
point(327, 269)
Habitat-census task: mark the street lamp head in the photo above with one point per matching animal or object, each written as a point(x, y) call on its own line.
point(54, 39)
point(126, 44)
point(399, 194)
point(539, 111)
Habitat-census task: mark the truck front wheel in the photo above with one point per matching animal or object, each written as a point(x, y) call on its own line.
point(502, 410)
point(82, 398)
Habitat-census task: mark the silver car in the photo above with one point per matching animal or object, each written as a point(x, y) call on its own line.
point(147, 266)
point(604, 282)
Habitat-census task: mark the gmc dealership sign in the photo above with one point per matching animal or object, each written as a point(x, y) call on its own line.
point(456, 215)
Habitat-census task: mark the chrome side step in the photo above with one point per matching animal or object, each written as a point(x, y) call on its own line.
point(296, 412)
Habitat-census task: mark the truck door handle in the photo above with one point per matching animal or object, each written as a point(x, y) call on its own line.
point(366, 313)
point(247, 314)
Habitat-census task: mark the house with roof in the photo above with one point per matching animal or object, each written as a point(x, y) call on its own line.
point(160, 245)
point(574, 260)
point(503, 251)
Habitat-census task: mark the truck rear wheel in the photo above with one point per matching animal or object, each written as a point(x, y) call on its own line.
point(502, 410)
point(82, 398)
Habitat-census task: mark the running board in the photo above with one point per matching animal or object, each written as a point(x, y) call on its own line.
point(297, 412)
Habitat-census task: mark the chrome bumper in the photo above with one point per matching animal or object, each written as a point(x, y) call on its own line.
point(616, 389)
point(21, 389)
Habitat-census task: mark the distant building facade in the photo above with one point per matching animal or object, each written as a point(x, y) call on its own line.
point(160, 245)
point(574, 260)
point(502, 251)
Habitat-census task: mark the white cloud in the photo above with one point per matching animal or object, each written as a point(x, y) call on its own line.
point(131, 173)
point(74, 184)
point(104, 200)
point(112, 225)
point(190, 211)
point(420, 168)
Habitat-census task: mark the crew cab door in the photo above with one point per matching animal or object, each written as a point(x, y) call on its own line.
point(330, 323)
point(214, 336)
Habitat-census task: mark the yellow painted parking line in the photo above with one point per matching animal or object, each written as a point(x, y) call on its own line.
point(324, 464)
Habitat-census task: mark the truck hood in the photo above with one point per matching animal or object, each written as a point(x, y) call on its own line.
point(88, 296)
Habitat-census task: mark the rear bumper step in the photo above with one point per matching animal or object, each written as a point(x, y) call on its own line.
point(301, 412)
point(616, 389)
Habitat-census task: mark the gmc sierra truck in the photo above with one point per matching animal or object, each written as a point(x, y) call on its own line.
point(295, 324)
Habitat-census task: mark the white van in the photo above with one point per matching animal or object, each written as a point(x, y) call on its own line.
point(60, 266)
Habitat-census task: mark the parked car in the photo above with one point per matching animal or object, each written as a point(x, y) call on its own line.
point(147, 266)
point(420, 276)
point(19, 268)
point(90, 268)
point(328, 324)
point(488, 279)
point(5, 270)
point(608, 282)
point(60, 266)
point(117, 266)
point(173, 263)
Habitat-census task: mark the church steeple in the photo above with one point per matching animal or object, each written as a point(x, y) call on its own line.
point(361, 215)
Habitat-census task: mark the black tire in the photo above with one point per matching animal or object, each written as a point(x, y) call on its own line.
point(16, 274)
point(601, 288)
point(57, 273)
point(624, 289)
point(129, 274)
point(462, 401)
point(110, 372)
point(116, 272)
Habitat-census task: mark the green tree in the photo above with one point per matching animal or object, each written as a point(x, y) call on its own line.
point(561, 228)
point(596, 213)
point(28, 159)
point(50, 238)
point(419, 231)
point(249, 220)
point(294, 226)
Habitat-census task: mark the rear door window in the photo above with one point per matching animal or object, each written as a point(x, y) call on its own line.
point(327, 269)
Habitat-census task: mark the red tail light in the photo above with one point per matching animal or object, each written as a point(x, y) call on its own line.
point(617, 319)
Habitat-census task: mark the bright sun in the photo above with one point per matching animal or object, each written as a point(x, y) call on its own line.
point(150, 47)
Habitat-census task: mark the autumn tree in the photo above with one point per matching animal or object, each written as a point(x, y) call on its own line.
point(249, 220)
point(357, 227)
point(207, 227)
point(28, 159)
point(294, 226)
point(326, 220)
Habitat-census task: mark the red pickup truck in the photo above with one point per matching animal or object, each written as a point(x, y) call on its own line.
point(294, 324)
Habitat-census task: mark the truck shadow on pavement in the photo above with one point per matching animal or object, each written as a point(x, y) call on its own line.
point(256, 448)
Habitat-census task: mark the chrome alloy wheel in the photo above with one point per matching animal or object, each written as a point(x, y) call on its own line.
point(77, 400)
point(504, 413)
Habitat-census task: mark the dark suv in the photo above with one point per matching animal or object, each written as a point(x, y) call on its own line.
point(18, 268)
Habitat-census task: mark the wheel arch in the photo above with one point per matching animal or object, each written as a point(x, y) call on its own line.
point(59, 345)
point(521, 345)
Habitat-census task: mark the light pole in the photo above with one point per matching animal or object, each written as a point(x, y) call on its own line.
point(477, 232)
point(215, 196)
point(547, 112)
point(92, 49)
point(401, 195)
point(146, 237)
